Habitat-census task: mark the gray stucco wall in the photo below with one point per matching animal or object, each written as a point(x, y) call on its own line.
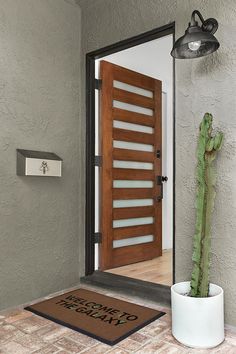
point(40, 218)
point(202, 85)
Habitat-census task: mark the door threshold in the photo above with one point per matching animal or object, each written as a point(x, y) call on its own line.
point(129, 286)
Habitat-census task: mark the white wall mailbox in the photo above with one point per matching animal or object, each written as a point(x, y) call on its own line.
point(38, 163)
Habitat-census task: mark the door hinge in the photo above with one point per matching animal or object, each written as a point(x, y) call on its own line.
point(98, 84)
point(97, 237)
point(98, 160)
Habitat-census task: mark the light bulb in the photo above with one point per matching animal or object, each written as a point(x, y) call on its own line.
point(194, 46)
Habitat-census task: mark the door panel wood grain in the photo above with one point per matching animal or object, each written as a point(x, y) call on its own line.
point(144, 93)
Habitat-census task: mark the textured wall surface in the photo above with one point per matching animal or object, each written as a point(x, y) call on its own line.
point(40, 219)
point(205, 84)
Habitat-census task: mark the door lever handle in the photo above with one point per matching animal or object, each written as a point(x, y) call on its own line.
point(160, 180)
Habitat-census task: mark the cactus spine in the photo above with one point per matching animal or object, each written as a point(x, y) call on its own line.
point(208, 146)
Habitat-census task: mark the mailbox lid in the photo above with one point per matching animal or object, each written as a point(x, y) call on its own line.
point(39, 154)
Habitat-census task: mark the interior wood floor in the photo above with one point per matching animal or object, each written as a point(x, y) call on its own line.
point(157, 270)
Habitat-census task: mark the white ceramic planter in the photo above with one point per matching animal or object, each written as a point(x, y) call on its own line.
point(197, 322)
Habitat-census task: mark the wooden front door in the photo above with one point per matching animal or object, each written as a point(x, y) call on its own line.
point(131, 201)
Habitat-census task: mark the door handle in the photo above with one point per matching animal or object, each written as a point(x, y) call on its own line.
point(160, 180)
point(164, 178)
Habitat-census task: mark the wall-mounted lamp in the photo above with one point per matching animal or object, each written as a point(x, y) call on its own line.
point(197, 41)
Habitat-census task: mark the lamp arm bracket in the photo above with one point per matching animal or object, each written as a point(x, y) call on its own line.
point(208, 25)
point(193, 20)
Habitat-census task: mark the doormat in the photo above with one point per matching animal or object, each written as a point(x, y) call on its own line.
point(104, 318)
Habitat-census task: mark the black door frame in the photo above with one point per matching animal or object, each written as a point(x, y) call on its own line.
point(90, 136)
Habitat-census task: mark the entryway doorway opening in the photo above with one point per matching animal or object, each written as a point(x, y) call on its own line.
point(134, 212)
point(130, 205)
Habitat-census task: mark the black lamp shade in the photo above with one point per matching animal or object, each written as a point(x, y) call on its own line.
point(208, 45)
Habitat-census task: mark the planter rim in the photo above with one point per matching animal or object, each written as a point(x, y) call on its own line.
point(219, 290)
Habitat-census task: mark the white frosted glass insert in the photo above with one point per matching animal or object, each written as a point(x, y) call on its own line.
point(97, 69)
point(132, 108)
point(133, 241)
point(132, 184)
point(132, 146)
point(132, 164)
point(133, 222)
point(132, 203)
point(134, 127)
point(131, 88)
point(96, 255)
point(97, 125)
point(97, 199)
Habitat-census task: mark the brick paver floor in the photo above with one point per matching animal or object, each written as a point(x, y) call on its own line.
point(22, 332)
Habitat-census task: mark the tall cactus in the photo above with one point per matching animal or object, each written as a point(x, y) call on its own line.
point(208, 146)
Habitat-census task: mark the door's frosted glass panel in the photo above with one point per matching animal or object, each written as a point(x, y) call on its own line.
point(132, 108)
point(132, 146)
point(133, 164)
point(96, 254)
point(134, 127)
point(97, 125)
point(132, 203)
point(133, 241)
point(97, 199)
point(131, 88)
point(132, 184)
point(133, 222)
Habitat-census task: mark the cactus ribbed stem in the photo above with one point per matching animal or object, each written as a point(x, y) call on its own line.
point(206, 153)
